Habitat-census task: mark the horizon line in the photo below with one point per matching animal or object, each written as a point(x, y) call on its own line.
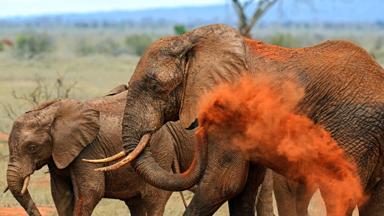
point(41, 14)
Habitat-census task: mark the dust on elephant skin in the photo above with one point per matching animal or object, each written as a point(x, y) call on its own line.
point(261, 119)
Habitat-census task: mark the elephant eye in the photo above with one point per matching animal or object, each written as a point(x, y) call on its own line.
point(154, 84)
point(32, 148)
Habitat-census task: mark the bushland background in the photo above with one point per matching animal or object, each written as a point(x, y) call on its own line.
point(85, 55)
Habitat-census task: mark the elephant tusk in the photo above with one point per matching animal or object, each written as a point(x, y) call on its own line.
point(140, 147)
point(6, 189)
point(25, 184)
point(108, 159)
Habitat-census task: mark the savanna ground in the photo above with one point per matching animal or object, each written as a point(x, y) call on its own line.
point(92, 61)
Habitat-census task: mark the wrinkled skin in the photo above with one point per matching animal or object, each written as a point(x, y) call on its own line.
point(63, 132)
point(264, 205)
point(343, 92)
point(292, 198)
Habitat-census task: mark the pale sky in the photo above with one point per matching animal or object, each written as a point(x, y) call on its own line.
point(31, 7)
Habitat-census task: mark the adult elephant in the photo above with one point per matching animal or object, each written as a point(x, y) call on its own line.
point(343, 92)
point(60, 133)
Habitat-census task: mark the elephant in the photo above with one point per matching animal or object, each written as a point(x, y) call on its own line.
point(292, 197)
point(342, 85)
point(60, 133)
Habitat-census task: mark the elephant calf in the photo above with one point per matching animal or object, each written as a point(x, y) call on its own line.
point(60, 134)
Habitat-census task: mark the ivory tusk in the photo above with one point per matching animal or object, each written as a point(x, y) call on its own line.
point(25, 184)
point(108, 159)
point(136, 152)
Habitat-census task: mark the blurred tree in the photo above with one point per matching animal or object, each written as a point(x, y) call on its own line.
point(179, 29)
point(29, 45)
point(285, 40)
point(45, 90)
point(138, 43)
point(245, 24)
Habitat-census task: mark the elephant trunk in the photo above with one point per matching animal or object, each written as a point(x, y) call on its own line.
point(138, 123)
point(146, 166)
point(17, 185)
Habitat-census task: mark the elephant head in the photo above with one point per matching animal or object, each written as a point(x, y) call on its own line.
point(57, 130)
point(171, 76)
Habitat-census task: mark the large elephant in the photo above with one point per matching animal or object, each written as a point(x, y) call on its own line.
point(343, 92)
point(61, 133)
point(292, 198)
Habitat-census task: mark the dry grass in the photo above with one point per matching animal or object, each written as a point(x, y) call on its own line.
point(95, 76)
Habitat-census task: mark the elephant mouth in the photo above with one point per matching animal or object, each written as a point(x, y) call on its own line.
point(24, 188)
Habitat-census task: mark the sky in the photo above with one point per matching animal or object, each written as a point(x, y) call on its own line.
point(33, 7)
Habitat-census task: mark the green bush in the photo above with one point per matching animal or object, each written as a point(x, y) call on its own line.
point(107, 46)
point(180, 29)
point(285, 40)
point(30, 45)
point(377, 51)
point(138, 43)
point(83, 47)
point(377, 54)
point(1, 46)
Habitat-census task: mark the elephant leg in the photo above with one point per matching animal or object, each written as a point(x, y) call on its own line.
point(285, 196)
point(62, 194)
point(136, 206)
point(375, 205)
point(264, 204)
point(303, 197)
point(89, 188)
point(155, 200)
point(85, 202)
point(224, 178)
point(292, 198)
point(331, 208)
point(244, 203)
point(205, 202)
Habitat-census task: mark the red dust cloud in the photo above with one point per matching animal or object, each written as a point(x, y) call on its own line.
point(260, 119)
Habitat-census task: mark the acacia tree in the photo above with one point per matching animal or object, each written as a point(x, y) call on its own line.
point(246, 23)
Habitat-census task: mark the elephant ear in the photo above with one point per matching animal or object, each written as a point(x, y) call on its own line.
point(217, 57)
point(73, 128)
point(43, 105)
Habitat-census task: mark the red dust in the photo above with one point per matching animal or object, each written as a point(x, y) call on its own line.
point(46, 210)
point(259, 117)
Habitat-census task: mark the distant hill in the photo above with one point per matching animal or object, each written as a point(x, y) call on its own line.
point(289, 11)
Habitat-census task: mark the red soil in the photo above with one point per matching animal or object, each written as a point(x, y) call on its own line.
point(3, 137)
point(272, 52)
point(44, 210)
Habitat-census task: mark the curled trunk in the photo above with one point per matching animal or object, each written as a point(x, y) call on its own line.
point(134, 127)
point(15, 184)
point(146, 166)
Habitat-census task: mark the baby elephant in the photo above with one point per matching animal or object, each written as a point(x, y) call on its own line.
point(61, 133)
